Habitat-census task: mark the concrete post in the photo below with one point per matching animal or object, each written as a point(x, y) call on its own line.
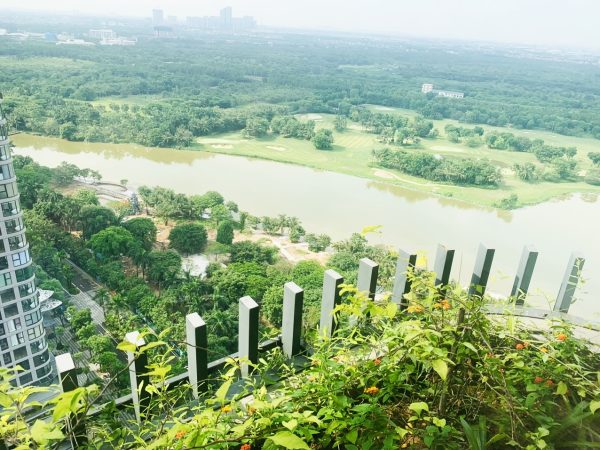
point(569, 283)
point(406, 261)
point(67, 377)
point(331, 298)
point(368, 271)
point(137, 375)
point(442, 267)
point(248, 333)
point(524, 274)
point(197, 352)
point(291, 324)
point(481, 272)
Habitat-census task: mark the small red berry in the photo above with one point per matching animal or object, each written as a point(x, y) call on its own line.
point(538, 380)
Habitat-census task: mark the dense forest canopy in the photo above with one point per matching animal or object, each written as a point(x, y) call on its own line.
point(193, 86)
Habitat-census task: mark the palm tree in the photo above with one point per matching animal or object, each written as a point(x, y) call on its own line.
point(102, 297)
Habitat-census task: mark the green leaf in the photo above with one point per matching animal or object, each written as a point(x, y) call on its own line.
point(288, 440)
point(41, 432)
point(222, 391)
point(151, 345)
point(391, 309)
point(291, 424)
point(126, 347)
point(439, 422)
point(469, 346)
point(418, 407)
point(5, 400)
point(561, 388)
point(352, 435)
point(440, 366)
point(594, 406)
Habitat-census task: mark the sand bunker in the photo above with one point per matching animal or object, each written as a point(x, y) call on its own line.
point(384, 174)
point(276, 148)
point(222, 146)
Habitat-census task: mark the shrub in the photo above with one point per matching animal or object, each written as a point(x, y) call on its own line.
point(188, 238)
point(225, 233)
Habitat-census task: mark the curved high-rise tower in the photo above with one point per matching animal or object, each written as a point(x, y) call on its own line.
point(22, 335)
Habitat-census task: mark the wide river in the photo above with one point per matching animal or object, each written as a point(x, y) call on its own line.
point(339, 205)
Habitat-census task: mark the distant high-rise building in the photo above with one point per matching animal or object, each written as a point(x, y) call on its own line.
point(172, 19)
point(102, 34)
point(22, 335)
point(158, 16)
point(226, 16)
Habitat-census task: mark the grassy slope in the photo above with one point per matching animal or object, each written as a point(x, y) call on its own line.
point(352, 155)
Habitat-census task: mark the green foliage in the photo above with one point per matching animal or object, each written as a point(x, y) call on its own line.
point(317, 243)
point(112, 242)
point(188, 238)
point(163, 267)
point(510, 202)
point(594, 157)
point(425, 165)
point(340, 123)
point(95, 219)
point(248, 251)
point(440, 374)
point(143, 230)
point(256, 127)
point(290, 127)
point(323, 139)
point(86, 197)
point(527, 172)
point(225, 233)
point(593, 177)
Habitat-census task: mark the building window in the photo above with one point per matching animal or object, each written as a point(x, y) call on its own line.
point(7, 190)
point(20, 258)
point(43, 371)
point(7, 358)
point(20, 353)
point(30, 303)
point(9, 209)
point(25, 379)
point(4, 152)
point(11, 310)
point(24, 274)
point(17, 339)
point(41, 359)
point(5, 172)
point(34, 332)
point(3, 263)
point(16, 242)
point(2, 330)
point(14, 225)
point(3, 344)
point(14, 324)
point(26, 289)
point(32, 318)
point(7, 295)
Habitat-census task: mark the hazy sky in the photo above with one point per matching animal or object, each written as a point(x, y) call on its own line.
point(552, 22)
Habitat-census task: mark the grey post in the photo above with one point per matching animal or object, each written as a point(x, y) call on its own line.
point(405, 262)
point(248, 333)
point(67, 376)
point(367, 277)
point(197, 352)
point(291, 324)
point(524, 274)
point(330, 299)
point(569, 283)
point(442, 267)
point(481, 272)
point(138, 375)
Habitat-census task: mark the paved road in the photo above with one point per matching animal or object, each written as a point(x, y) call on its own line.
point(85, 300)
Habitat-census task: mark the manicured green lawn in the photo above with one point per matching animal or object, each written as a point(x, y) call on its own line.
point(352, 155)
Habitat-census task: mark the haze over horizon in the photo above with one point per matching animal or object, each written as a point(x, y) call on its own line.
point(537, 22)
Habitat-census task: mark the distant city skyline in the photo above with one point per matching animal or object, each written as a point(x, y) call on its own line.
point(537, 22)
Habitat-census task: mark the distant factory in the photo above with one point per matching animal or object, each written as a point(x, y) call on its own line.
point(427, 88)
